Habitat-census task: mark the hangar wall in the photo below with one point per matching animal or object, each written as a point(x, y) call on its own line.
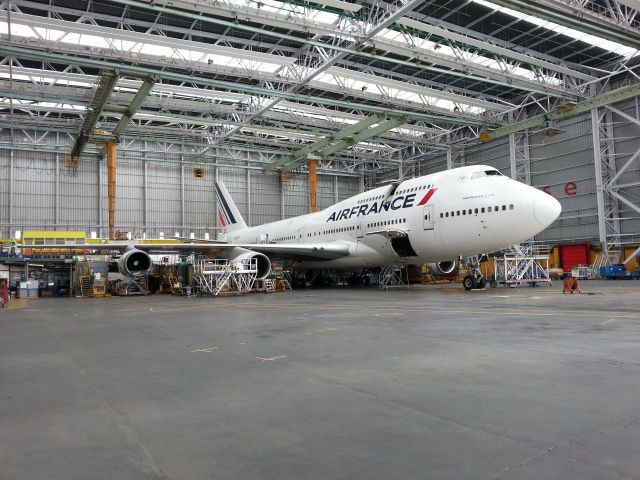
point(154, 194)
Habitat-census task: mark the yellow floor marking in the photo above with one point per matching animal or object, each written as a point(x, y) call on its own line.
point(15, 304)
point(270, 359)
point(208, 350)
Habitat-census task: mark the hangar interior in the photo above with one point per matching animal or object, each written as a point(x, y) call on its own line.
point(117, 117)
point(194, 91)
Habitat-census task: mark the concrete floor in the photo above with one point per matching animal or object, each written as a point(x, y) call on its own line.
point(429, 383)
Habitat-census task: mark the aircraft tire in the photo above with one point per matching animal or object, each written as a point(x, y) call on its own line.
point(470, 282)
point(482, 283)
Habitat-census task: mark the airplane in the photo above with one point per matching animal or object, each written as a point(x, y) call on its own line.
point(433, 219)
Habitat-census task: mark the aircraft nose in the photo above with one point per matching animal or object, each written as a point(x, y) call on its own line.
point(546, 209)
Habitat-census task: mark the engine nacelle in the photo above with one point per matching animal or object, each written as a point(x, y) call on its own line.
point(443, 268)
point(134, 262)
point(243, 257)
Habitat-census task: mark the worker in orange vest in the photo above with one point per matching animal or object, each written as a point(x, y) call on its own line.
point(570, 284)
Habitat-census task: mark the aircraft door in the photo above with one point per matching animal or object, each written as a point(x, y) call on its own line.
point(428, 217)
point(360, 231)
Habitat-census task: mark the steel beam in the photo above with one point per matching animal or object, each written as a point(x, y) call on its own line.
point(111, 185)
point(133, 107)
point(101, 95)
point(359, 137)
point(320, 144)
point(137, 71)
point(569, 14)
point(563, 112)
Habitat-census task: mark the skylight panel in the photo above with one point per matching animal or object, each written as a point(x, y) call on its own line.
point(603, 43)
point(471, 57)
point(29, 104)
point(29, 26)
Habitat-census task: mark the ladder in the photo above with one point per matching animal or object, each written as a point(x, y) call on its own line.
point(268, 285)
point(286, 285)
point(393, 276)
point(223, 280)
point(85, 286)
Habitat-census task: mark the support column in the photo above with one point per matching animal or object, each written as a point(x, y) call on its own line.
point(112, 161)
point(455, 157)
point(216, 221)
point(145, 199)
point(335, 189)
point(605, 171)
point(56, 210)
point(182, 213)
point(281, 200)
point(100, 197)
point(10, 201)
point(313, 185)
point(519, 157)
point(249, 222)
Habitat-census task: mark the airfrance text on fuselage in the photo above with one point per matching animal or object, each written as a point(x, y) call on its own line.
point(376, 207)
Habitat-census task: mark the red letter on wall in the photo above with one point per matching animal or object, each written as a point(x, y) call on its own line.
point(547, 190)
point(570, 189)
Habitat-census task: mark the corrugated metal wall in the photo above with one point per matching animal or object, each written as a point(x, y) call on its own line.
point(155, 193)
point(567, 158)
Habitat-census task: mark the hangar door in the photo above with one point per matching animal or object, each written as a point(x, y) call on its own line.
point(572, 254)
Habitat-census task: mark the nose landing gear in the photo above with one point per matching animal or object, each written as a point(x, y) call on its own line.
point(476, 279)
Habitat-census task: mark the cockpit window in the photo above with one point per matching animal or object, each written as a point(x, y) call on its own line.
point(486, 173)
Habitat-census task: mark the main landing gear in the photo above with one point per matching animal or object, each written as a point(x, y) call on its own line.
point(475, 280)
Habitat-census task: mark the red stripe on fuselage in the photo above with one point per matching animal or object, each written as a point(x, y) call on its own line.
point(427, 196)
point(221, 219)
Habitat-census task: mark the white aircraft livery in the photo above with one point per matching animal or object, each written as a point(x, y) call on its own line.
point(436, 219)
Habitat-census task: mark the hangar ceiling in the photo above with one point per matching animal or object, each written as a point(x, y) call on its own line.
point(271, 77)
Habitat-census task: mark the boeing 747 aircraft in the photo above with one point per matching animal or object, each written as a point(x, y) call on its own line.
point(436, 219)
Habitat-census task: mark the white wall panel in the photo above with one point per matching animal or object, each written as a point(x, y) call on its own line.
point(78, 194)
point(265, 198)
point(34, 189)
point(199, 206)
point(296, 196)
point(163, 193)
point(4, 191)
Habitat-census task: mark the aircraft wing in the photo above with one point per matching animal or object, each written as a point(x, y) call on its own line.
point(305, 251)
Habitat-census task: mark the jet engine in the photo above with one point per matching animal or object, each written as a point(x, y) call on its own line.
point(134, 262)
point(443, 268)
point(243, 256)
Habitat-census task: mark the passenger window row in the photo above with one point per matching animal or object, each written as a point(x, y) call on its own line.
point(383, 223)
point(284, 239)
point(331, 231)
point(472, 211)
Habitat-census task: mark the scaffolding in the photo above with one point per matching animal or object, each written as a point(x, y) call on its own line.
point(218, 276)
point(136, 285)
point(394, 275)
point(524, 263)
